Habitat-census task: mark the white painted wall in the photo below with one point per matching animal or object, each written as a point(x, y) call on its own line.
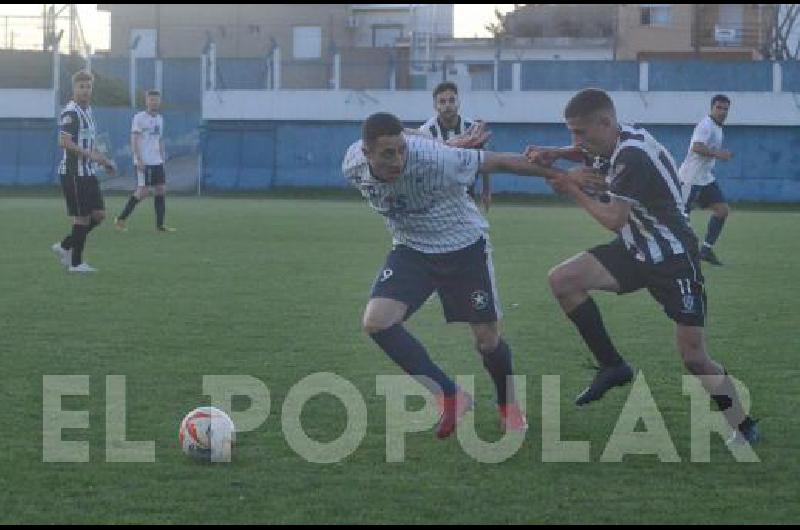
point(669, 108)
point(27, 103)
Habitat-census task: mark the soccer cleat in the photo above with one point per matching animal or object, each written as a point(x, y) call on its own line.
point(512, 419)
point(165, 229)
point(82, 268)
point(120, 224)
point(606, 378)
point(707, 254)
point(64, 256)
point(452, 409)
point(747, 432)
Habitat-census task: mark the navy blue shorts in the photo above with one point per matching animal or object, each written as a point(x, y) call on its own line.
point(676, 283)
point(705, 196)
point(464, 280)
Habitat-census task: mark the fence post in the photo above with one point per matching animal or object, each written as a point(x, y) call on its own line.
point(777, 77)
point(337, 71)
point(644, 76)
point(276, 63)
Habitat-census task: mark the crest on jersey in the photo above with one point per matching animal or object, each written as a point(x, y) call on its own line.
point(479, 300)
point(66, 120)
point(688, 303)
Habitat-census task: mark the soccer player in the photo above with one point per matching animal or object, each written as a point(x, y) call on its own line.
point(147, 146)
point(655, 249)
point(697, 177)
point(439, 244)
point(77, 173)
point(447, 124)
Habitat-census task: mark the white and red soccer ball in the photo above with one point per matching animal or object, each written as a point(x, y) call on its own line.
point(207, 434)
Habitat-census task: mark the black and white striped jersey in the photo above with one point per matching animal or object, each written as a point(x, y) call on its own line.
point(642, 172)
point(78, 123)
point(434, 128)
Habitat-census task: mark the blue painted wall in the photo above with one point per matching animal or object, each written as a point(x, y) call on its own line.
point(574, 75)
point(791, 76)
point(245, 155)
point(719, 76)
point(28, 152)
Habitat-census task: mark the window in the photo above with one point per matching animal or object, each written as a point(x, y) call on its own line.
point(656, 15)
point(481, 76)
point(384, 36)
point(307, 42)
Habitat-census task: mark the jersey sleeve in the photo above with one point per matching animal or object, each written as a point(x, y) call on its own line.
point(136, 124)
point(459, 165)
point(69, 124)
point(630, 172)
point(702, 133)
point(355, 165)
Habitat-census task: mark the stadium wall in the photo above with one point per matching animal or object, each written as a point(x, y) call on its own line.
point(260, 155)
point(251, 138)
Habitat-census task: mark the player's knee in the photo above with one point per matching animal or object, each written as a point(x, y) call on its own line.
point(371, 325)
point(696, 365)
point(722, 210)
point(486, 344)
point(98, 216)
point(695, 359)
point(562, 281)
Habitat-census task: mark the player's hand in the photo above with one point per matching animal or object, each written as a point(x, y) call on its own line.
point(109, 166)
point(97, 156)
point(586, 178)
point(486, 200)
point(563, 184)
point(474, 137)
point(541, 156)
point(724, 154)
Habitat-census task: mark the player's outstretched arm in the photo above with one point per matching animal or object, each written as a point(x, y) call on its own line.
point(547, 156)
point(519, 164)
point(613, 214)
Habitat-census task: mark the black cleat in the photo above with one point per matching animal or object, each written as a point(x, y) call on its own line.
point(746, 432)
point(606, 378)
point(708, 255)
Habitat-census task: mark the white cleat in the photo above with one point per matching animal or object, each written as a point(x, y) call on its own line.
point(64, 256)
point(82, 268)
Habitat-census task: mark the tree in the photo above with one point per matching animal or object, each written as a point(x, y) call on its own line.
point(498, 28)
point(783, 30)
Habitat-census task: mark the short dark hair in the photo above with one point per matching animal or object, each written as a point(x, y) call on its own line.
point(153, 92)
point(444, 86)
point(380, 124)
point(587, 102)
point(720, 97)
point(82, 75)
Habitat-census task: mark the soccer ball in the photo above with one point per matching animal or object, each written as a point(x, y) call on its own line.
point(207, 434)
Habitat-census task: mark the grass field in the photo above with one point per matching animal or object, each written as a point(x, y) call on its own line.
point(274, 289)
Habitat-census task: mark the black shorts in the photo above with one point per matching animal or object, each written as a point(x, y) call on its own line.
point(464, 280)
point(705, 196)
point(676, 283)
point(151, 176)
point(82, 195)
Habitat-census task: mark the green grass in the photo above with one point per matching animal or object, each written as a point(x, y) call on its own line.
point(274, 289)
